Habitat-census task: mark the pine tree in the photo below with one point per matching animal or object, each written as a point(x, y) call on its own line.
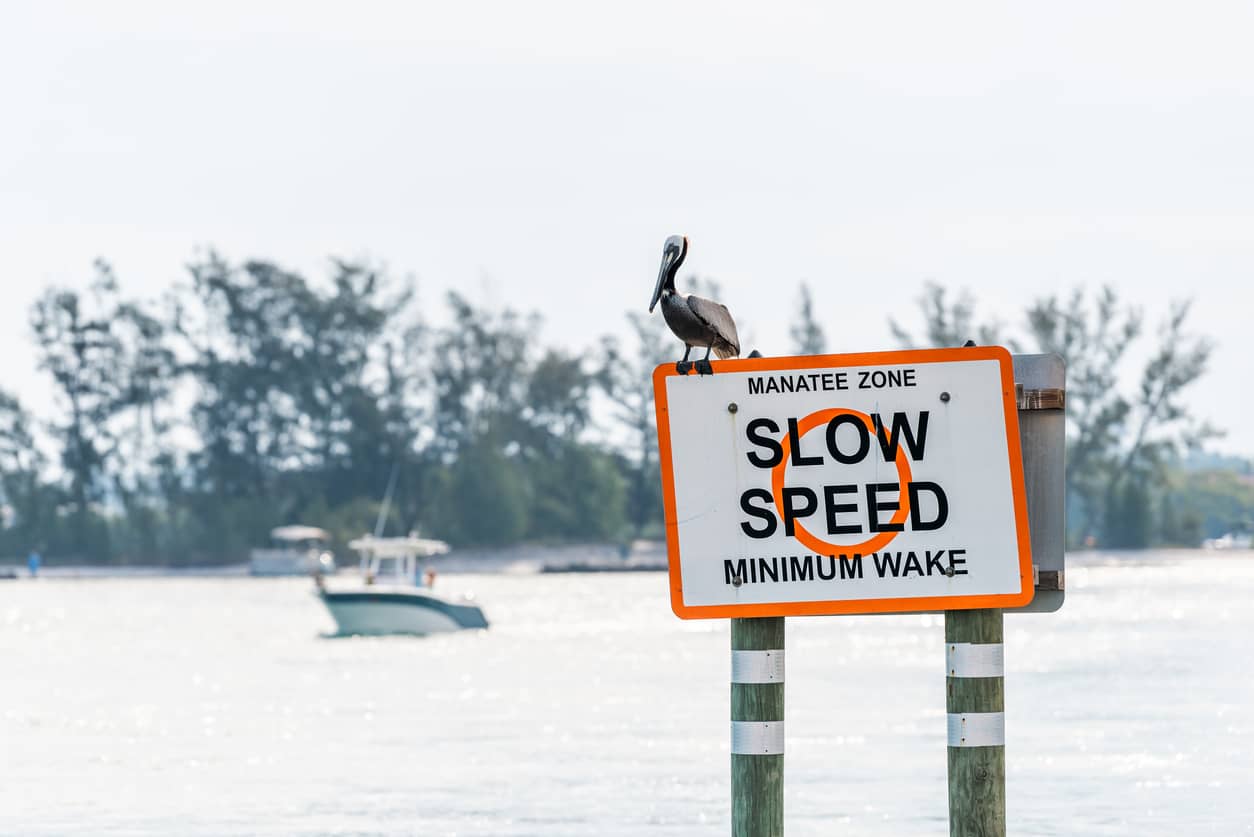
point(807, 335)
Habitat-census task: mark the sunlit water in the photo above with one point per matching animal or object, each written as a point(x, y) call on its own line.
point(215, 706)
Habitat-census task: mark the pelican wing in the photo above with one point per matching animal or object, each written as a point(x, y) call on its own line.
point(716, 317)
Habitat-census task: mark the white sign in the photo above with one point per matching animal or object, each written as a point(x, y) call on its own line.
point(864, 483)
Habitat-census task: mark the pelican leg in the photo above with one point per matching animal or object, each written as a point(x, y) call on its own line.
point(682, 366)
point(703, 365)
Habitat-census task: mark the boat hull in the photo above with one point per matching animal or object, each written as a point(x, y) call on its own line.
point(399, 612)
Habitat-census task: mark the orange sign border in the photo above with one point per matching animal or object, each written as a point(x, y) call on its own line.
point(917, 604)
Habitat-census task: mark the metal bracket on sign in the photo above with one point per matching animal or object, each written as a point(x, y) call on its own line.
point(1040, 399)
point(1047, 579)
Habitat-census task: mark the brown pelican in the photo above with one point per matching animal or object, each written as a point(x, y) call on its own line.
point(696, 321)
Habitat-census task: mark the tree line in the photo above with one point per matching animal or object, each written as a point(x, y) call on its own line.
point(184, 428)
point(1129, 422)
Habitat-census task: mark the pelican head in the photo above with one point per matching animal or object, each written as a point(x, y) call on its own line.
point(673, 252)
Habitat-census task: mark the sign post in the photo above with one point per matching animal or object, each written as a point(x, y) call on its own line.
point(975, 704)
point(757, 697)
point(757, 726)
point(974, 656)
point(887, 482)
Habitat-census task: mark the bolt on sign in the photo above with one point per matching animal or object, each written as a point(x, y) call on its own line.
point(861, 483)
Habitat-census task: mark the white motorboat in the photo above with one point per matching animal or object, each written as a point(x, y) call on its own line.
point(295, 550)
point(1228, 541)
point(391, 598)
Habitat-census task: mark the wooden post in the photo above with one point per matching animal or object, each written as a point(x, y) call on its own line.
point(976, 705)
point(757, 734)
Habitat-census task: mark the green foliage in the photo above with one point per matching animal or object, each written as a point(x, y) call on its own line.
point(626, 379)
point(80, 351)
point(257, 397)
point(1207, 504)
point(482, 498)
point(1177, 525)
point(1128, 523)
point(1121, 441)
point(948, 322)
point(579, 494)
point(479, 373)
point(28, 505)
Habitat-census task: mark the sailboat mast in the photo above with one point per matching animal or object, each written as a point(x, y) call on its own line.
point(387, 502)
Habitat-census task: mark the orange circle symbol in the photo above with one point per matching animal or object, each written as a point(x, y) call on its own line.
point(822, 547)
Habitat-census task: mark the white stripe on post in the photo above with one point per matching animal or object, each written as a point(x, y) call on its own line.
point(757, 666)
point(977, 729)
point(757, 738)
point(972, 659)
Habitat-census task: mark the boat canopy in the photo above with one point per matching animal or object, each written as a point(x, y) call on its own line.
point(370, 546)
point(394, 560)
point(299, 533)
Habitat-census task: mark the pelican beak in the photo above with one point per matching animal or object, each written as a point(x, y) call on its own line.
point(657, 292)
point(673, 252)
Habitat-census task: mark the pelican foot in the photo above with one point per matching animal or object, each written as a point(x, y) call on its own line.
point(704, 367)
point(682, 366)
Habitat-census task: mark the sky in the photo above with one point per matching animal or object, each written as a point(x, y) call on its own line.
point(538, 154)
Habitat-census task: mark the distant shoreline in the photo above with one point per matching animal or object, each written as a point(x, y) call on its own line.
point(529, 559)
point(523, 559)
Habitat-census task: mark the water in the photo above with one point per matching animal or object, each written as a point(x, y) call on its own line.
point(214, 707)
